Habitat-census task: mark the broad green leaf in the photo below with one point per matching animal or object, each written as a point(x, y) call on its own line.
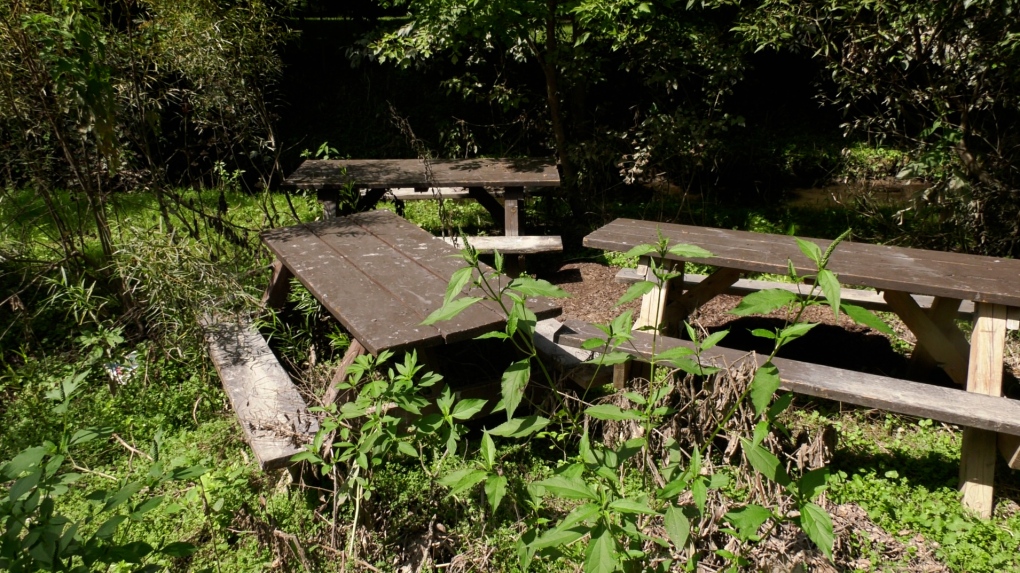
point(593, 344)
point(831, 289)
point(747, 520)
point(764, 302)
point(109, 527)
point(765, 462)
point(763, 333)
point(609, 359)
point(494, 334)
point(407, 449)
point(25, 484)
point(24, 461)
point(795, 331)
point(639, 251)
point(612, 412)
point(520, 427)
point(636, 291)
point(675, 353)
point(558, 537)
point(689, 251)
point(537, 287)
point(467, 408)
point(810, 250)
point(678, 527)
point(495, 490)
point(813, 483)
point(515, 378)
point(178, 549)
point(699, 491)
point(631, 506)
point(817, 524)
point(133, 552)
point(488, 450)
point(866, 317)
point(601, 554)
point(463, 480)
point(763, 386)
point(584, 449)
point(568, 488)
point(122, 495)
point(460, 278)
point(712, 339)
point(580, 514)
point(450, 310)
point(780, 405)
point(89, 434)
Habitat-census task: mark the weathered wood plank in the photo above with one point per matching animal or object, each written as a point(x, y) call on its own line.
point(529, 244)
point(954, 406)
point(275, 419)
point(488, 201)
point(279, 286)
point(864, 298)
point(390, 173)
point(568, 360)
point(715, 284)
point(370, 314)
point(934, 273)
point(433, 254)
point(942, 313)
point(984, 377)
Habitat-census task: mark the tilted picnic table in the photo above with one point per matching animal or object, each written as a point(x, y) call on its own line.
point(380, 276)
point(993, 284)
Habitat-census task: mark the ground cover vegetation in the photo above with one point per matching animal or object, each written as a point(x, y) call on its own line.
point(141, 144)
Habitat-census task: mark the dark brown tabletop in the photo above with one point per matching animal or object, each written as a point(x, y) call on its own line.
point(916, 271)
point(380, 276)
point(393, 173)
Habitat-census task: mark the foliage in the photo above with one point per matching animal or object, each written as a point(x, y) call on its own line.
point(939, 78)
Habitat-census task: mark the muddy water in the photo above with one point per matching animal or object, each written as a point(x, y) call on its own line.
point(891, 193)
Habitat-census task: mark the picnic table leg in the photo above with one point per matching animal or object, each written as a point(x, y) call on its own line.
point(948, 346)
point(680, 307)
point(488, 202)
point(279, 286)
point(513, 202)
point(943, 313)
point(333, 393)
point(984, 376)
point(369, 199)
point(330, 201)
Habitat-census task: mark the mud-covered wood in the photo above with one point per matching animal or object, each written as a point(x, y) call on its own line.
point(275, 419)
point(969, 409)
point(519, 245)
point(380, 276)
point(389, 173)
point(933, 273)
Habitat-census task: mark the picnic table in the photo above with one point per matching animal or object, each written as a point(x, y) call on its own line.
point(380, 276)
point(903, 276)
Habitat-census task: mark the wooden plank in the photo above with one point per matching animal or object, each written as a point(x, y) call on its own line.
point(977, 462)
point(433, 254)
point(418, 290)
point(390, 173)
point(864, 298)
point(934, 273)
point(568, 360)
point(370, 314)
point(949, 348)
point(942, 313)
point(951, 405)
point(653, 303)
point(511, 245)
point(275, 419)
point(1013, 318)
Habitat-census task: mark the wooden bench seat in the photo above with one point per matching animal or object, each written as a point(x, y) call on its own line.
point(868, 299)
point(517, 245)
point(970, 409)
point(274, 417)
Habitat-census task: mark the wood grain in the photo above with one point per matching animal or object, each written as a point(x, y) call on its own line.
point(951, 405)
point(389, 173)
point(528, 244)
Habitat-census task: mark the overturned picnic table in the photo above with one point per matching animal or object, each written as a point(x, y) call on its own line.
point(481, 177)
point(380, 276)
point(903, 276)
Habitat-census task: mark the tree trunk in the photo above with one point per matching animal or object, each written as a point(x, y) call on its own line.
point(568, 174)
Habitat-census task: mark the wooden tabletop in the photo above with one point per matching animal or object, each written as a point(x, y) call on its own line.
point(392, 173)
point(916, 271)
point(380, 276)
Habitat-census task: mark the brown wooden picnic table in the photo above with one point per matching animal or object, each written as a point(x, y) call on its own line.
point(380, 276)
point(992, 283)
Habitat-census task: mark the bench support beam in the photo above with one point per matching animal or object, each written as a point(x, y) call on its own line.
point(489, 202)
point(948, 347)
point(943, 312)
point(977, 460)
point(279, 286)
